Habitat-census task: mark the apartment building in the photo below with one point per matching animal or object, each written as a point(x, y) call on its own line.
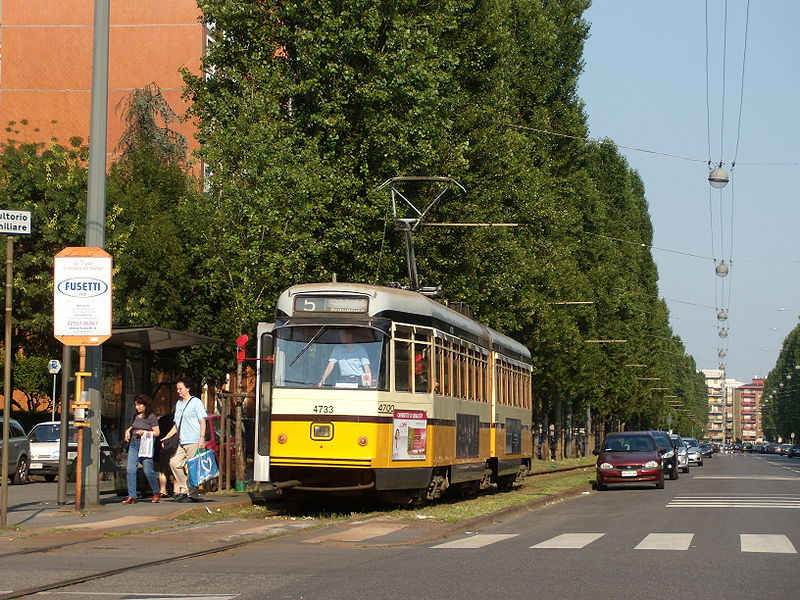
point(747, 411)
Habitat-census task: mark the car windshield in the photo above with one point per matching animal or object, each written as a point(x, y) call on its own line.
point(690, 442)
point(49, 432)
point(629, 443)
point(303, 354)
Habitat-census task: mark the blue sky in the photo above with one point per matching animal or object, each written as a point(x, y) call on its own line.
point(644, 86)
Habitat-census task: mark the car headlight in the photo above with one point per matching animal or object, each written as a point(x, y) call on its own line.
point(652, 464)
point(669, 454)
point(606, 466)
point(55, 455)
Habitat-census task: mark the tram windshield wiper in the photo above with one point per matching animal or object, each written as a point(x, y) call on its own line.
point(304, 348)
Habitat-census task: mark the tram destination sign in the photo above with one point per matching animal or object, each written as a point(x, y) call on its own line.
point(82, 296)
point(15, 222)
point(330, 304)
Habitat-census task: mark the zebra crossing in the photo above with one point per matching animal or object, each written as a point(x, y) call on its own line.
point(748, 542)
point(769, 501)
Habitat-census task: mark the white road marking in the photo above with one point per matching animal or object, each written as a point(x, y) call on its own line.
point(739, 501)
point(748, 477)
point(762, 542)
point(477, 541)
point(666, 541)
point(570, 540)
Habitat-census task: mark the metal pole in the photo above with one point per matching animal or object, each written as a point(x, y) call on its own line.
point(411, 259)
point(240, 482)
point(53, 398)
point(7, 390)
point(224, 475)
point(95, 231)
point(80, 484)
point(63, 448)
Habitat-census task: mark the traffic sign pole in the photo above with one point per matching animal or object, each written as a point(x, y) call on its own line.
point(7, 381)
point(12, 222)
point(53, 367)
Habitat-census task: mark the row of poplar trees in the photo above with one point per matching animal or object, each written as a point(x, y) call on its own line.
point(304, 109)
point(781, 396)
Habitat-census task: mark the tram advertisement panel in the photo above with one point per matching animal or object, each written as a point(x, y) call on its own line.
point(410, 436)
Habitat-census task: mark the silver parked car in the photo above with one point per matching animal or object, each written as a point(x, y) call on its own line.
point(19, 455)
point(683, 452)
point(693, 450)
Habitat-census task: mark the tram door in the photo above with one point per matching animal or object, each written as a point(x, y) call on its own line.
point(266, 358)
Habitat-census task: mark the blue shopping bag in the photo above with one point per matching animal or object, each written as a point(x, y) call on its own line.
point(202, 467)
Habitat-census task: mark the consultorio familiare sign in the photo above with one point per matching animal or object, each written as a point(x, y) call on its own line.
point(82, 296)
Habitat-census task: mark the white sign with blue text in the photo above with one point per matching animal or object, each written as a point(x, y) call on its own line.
point(82, 298)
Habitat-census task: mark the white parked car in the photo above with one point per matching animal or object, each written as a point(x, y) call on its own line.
point(45, 440)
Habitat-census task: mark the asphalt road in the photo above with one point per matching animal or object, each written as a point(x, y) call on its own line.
point(728, 529)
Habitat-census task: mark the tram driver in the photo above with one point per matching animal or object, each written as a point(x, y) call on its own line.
point(353, 361)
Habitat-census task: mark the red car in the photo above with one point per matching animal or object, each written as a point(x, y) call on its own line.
point(629, 457)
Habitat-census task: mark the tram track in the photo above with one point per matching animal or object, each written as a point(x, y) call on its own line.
point(49, 587)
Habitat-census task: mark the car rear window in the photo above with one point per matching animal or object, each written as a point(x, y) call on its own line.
point(49, 433)
point(629, 443)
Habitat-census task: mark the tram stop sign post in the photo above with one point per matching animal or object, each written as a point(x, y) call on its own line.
point(81, 317)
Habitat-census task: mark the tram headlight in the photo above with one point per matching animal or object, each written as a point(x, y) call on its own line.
point(363, 441)
point(282, 438)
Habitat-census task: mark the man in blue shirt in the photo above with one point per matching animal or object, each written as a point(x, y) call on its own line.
point(353, 362)
point(190, 425)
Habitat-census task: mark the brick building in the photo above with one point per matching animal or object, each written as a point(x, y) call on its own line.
point(46, 62)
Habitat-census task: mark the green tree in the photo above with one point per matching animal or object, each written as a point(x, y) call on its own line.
point(50, 181)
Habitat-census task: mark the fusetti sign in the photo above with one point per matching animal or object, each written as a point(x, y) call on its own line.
point(82, 296)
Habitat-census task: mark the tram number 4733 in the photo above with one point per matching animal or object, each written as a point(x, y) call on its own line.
point(323, 409)
point(386, 408)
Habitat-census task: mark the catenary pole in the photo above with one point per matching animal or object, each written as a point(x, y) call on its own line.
point(95, 234)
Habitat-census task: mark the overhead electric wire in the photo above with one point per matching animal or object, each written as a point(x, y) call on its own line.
point(708, 98)
point(741, 93)
point(596, 141)
point(724, 74)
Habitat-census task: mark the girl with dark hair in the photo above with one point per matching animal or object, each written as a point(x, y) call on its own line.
point(145, 424)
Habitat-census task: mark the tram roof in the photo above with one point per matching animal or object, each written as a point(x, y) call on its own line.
point(393, 302)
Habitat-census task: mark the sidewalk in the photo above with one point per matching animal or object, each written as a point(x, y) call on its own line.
point(111, 513)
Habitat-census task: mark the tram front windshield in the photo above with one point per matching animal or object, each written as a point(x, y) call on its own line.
point(330, 356)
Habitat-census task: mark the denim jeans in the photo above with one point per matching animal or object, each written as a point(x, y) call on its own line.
point(133, 467)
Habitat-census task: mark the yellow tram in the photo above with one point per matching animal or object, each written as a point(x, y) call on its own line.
point(375, 390)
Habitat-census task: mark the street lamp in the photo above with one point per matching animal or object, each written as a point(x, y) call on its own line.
point(718, 178)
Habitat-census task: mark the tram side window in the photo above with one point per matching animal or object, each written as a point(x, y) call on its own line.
point(422, 363)
point(447, 369)
point(402, 382)
point(412, 363)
